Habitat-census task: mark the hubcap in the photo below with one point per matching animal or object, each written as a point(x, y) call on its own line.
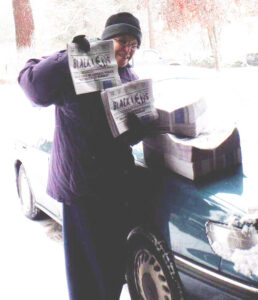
point(150, 279)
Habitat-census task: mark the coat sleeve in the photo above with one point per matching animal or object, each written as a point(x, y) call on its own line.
point(43, 80)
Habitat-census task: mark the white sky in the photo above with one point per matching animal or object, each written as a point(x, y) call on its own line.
point(6, 15)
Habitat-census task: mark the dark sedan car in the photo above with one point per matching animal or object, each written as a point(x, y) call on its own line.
point(215, 256)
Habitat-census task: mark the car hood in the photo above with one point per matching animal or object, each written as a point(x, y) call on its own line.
point(237, 187)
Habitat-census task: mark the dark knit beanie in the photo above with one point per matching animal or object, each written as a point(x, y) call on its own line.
point(122, 23)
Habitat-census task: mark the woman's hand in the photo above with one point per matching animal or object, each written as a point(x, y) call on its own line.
point(82, 42)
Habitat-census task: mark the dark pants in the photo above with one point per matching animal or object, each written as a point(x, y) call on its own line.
point(95, 237)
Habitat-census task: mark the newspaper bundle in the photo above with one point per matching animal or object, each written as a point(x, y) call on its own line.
point(182, 107)
point(194, 157)
point(94, 70)
point(136, 97)
point(188, 120)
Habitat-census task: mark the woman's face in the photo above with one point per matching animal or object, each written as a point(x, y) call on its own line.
point(124, 47)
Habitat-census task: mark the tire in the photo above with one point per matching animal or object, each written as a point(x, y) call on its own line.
point(27, 199)
point(151, 272)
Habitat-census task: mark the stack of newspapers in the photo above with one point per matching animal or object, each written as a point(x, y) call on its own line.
point(193, 138)
point(188, 120)
point(182, 108)
point(136, 97)
point(194, 157)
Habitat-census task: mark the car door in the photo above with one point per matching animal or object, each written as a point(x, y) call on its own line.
point(38, 135)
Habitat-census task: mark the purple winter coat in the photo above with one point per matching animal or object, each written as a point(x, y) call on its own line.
point(86, 160)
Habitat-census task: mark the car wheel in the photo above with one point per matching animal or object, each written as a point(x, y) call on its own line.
point(151, 272)
point(26, 196)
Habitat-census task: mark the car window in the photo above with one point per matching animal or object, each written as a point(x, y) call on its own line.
point(37, 129)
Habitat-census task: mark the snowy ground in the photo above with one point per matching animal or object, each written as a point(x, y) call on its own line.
point(31, 253)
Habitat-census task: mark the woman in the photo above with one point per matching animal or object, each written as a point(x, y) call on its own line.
point(91, 172)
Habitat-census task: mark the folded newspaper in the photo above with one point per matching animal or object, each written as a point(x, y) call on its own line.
point(94, 70)
point(186, 120)
point(136, 97)
point(194, 157)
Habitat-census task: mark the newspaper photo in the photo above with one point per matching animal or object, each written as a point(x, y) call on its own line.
point(94, 70)
point(136, 97)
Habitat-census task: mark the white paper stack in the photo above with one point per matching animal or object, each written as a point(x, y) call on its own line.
point(189, 120)
point(136, 97)
point(182, 108)
point(194, 157)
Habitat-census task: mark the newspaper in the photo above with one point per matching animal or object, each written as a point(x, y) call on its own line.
point(194, 170)
point(194, 157)
point(205, 146)
point(136, 97)
point(94, 70)
point(188, 120)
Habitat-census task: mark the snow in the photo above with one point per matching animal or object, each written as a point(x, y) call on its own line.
point(245, 260)
point(221, 250)
point(250, 218)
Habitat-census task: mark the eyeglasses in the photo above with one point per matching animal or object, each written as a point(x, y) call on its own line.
point(124, 43)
